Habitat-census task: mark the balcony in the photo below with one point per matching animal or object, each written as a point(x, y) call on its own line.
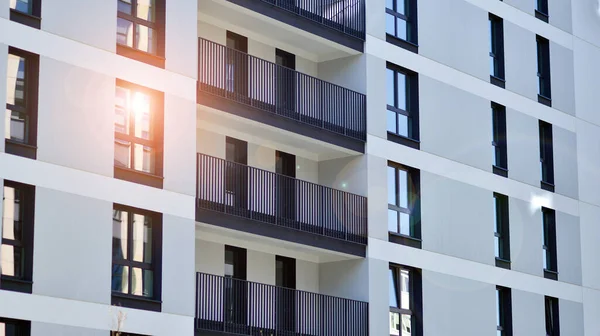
point(264, 92)
point(259, 202)
point(324, 27)
point(226, 305)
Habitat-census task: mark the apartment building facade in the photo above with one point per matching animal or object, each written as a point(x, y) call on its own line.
point(299, 167)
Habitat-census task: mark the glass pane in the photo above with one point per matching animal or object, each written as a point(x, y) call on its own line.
point(395, 324)
point(12, 261)
point(401, 91)
point(15, 80)
point(124, 32)
point(140, 107)
point(142, 282)
point(145, 10)
point(497, 246)
point(144, 158)
point(391, 182)
point(400, 6)
point(122, 101)
point(124, 6)
point(122, 153)
point(404, 289)
point(389, 84)
point(393, 288)
point(23, 6)
point(12, 213)
point(120, 220)
point(406, 325)
point(498, 322)
point(402, 125)
point(142, 238)
point(146, 39)
point(403, 187)
point(389, 4)
point(405, 224)
point(120, 279)
point(391, 121)
point(392, 221)
point(402, 29)
point(545, 258)
point(493, 66)
point(389, 24)
point(15, 126)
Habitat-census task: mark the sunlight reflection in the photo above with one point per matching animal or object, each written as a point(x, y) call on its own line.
point(538, 201)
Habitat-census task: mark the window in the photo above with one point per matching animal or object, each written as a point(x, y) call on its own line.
point(496, 51)
point(10, 327)
point(16, 248)
point(501, 231)
point(401, 23)
point(405, 301)
point(552, 317)
point(27, 12)
point(541, 10)
point(546, 156)
point(549, 244)
point(20, 132)
point(404, 218)
point(138, 134)
point(500, 166)
point(136, 258)
point(402, 106)
point(140, 30)
point(503, 312)
point(543, 73)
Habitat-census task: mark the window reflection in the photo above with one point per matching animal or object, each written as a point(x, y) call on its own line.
point(23, 6)
point(12, 258)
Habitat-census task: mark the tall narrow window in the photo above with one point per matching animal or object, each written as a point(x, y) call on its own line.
point(138, 134)
point(402, 106)
point(401, 23)
point(501, 231)
point(405, 301)
point(552, 317)
point(16, 248)
point(136, 258)
point(500, 166)
point(404, 218)
point(27, 12)
point(503, 312)
point(543, 72)
point(546, 156)
point(550, 262)
point(496, 51)
point(10, 327)
point(541, 10)
point(20, 130)
point(140, 30)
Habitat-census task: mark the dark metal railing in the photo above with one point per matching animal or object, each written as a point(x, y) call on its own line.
point(264, 85)
point(268, 197)
point(347, 16)
point(243, 307)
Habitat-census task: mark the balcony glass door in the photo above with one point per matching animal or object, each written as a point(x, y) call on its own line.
point(285, 281)
point(285, 165)
point(235, 291)
point(286, 83)
point(236, 67)
point(236, 176)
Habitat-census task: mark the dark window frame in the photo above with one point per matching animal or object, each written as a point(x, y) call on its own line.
point(22, 283)
point(502, 230)
point(504, 308)
point(138, 301)
point(23, 327)
point(499, 142)
point(412, 107)
point(497, 50)
point(157, 109)
point(544, 71)
point(32, 19)
point(541, 10)
point(415, 285)
point(413, 203)
point(549, 243)
point(411, 43)
point(552, 316)
point(546, 156)
point(28, 148)
point(158, 25)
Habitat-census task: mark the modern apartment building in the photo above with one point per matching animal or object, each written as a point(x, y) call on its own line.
point(300, 167)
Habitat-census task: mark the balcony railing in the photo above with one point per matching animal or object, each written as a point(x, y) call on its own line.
point(264, 196)
point(279, 90)
point(347, 16)
point(242, 307)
